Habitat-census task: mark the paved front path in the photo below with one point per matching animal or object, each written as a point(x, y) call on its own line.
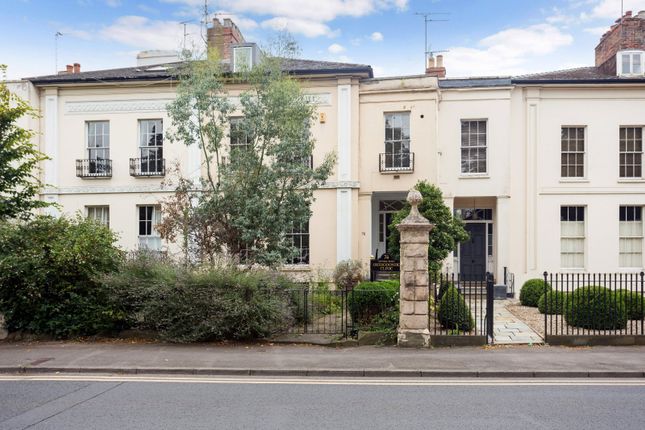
point(510, 330)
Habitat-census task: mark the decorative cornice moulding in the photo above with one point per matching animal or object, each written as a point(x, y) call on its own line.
point(117, 106)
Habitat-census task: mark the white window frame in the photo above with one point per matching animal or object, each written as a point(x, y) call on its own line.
point(145, 147)
point(630, 238)
point(404, 154)
point(575, 152)
point(236, 137)
point(303, 258)
point(470, 147)
point(631, 53)
point(151, 240)
point(241, 67)
point(583, 237)
point(99, 213)
point(634, 152)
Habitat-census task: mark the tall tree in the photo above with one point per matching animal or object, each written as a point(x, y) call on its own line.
point(259, 189)
point(448, 230)
point(19, 158)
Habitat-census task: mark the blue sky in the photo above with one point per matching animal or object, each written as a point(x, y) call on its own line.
point(483, 37)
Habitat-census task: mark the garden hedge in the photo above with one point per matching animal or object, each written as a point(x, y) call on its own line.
point(552, 302)
point(634, 304)
point(531, 292)
point(596, 308)
point(369, 299)
point(454, 313)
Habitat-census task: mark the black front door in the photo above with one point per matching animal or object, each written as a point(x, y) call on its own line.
point(472, 254)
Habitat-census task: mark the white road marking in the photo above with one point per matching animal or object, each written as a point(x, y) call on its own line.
point(406, 382)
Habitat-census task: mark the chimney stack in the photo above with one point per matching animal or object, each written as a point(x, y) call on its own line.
point(627, 33)
point(222, 36)
point(77, 68)
point(435, 67)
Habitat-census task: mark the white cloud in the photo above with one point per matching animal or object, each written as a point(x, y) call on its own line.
point(143, 33)
point(113, 3)
point(335, 48)
point(597, 31)
point(302, 26)
point(610, 9)
point(506, 52)
point(377, 36)
point(79, 34)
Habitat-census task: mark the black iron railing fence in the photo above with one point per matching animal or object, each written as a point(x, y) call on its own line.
point(396, 162)
point(147, 167)
point(93, 168)
point(462, 305)
point(593, 305)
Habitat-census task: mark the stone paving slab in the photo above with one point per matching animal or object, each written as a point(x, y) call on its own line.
point(510, 330)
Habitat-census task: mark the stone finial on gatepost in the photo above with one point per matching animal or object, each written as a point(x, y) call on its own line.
point(414, 291)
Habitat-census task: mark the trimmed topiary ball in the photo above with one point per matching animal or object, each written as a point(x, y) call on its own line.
point(634, 304)
point(552, 302)
point(454, 313)
point(531, 292)
point(596, 308)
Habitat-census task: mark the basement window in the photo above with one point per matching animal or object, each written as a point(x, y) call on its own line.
point(630, 63)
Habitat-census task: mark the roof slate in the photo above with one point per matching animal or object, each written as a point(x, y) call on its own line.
point(165, 72)
point(578, 75)
point(475, 82)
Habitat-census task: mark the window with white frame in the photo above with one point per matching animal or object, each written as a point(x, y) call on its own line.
point(239, 138)
point(473, 146)
point(100, 214)
point(631, 152)
point(572, 237)
point(149, 218)
point(630, 63)
point(242, 58)
point(299, 237)
point(98, 146)
point(151, 145)
point(631, 236)
point(572, 161)
point(397, 142)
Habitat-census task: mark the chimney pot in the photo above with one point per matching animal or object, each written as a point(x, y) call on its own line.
point(431, 62)
point(628, 13)
point(77, 68)
point(440, 60)
point(69, 68)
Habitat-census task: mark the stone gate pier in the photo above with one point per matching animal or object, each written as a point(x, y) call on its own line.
point(414, 291)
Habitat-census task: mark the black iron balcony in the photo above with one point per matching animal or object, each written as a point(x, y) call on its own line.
point(147, 167)
point(396, 162)
point(94, 168)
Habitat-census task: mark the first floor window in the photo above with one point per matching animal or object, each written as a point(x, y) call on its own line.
point(239, 137)
point(151, 145)
point(299, 237)
point(101, 214)
point(149, 217)
point(572, 237)
point(631, 236)
point(98, 146)
point(473, 146)
point(397, 141)
point(572, 162)
point(631, 152)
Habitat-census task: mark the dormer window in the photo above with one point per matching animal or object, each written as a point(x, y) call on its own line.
point(630, 63)
point(242, 58)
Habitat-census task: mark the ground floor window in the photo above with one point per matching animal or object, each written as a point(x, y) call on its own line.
point(100, 214)
point(149, 217)
point(572, 237)
point(631, 236)
point(299, 237)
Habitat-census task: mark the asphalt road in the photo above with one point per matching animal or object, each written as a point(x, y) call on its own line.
point(57, 402)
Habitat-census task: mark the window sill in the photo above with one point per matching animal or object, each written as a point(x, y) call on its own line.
point(631, 180)
point(474, 176)
point(403, 170)
point(574, 181)
point(630, 270)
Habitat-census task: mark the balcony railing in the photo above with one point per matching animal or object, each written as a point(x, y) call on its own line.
point(147, 167)
point(396, 162)
point(94, 168)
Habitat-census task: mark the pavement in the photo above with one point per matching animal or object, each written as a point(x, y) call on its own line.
point(510, 330)
point(307, 360)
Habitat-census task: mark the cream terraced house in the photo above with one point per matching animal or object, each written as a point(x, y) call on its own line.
point(545, 170)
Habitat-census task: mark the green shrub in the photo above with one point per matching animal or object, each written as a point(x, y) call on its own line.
point(552, 302)
point(443, 287)
point(48, 276)
point(531, 292)
point(634, 304)
point(369, 299)
point(348, 274)
point(596, 308)
point(203, 303)
point(454, 313)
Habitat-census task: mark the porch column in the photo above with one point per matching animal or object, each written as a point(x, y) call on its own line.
point(414, 291)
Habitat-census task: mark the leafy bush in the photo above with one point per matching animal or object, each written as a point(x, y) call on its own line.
point(454, 313)
point(201, 304)
point(531, 292)
point(48, 276)
point(370, 299)
point(348, 274)
point(552, 302)
point(596, 308)
point(443, 287)
point(634, 304)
